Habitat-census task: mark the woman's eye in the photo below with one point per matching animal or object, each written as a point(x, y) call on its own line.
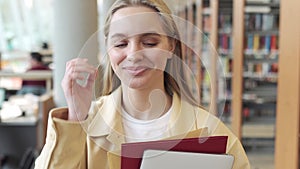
point(150, 44)
point(121, 45)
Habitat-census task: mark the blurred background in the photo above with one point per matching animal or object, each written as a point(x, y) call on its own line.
point(245, 62)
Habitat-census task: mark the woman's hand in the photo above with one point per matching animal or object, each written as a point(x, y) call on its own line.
point(78, 96)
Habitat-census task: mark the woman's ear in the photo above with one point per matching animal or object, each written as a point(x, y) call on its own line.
point(172, 47)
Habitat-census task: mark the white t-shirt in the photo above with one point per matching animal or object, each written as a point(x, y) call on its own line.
point(145, 130)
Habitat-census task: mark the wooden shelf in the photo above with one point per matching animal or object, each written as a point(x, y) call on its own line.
point(32, 75)
point(257, 130)
point(262, 32)
point(20, 121)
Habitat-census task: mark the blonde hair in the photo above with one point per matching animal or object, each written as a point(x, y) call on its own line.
point(174, 77)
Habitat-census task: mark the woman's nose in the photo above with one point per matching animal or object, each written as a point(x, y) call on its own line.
point(135, 53)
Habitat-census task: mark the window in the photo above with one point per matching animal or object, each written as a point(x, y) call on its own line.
point(25, 24)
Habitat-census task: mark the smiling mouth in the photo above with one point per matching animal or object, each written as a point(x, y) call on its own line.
point(136, 71)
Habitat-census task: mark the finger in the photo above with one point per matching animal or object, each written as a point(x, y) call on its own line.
point(91, 79)
point(79, 61)
point(80, 67)
point(77, 71)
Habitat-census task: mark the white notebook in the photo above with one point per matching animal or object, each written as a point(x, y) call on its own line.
point(161, 159)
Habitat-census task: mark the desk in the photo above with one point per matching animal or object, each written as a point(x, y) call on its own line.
point(32, 75)
point(16, 135)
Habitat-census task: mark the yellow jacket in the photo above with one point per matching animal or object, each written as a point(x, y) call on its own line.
point(96, 142)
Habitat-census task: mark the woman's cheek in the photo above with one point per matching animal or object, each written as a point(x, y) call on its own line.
point(116, 57)
point(159, 58)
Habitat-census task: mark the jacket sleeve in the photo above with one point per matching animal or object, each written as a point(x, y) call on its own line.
point(217, 128)
point(65, 145)
point(234, 146)
point(241, 160)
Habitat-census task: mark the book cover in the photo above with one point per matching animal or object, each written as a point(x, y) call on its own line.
point(258, 22)
point(267, 43)
point(250, 42)
point(225, 42)
point(273, 43)
point(132, 153)
point(256, 42)
point(268, 22)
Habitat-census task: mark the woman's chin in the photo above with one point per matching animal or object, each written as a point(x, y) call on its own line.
point(136, 85)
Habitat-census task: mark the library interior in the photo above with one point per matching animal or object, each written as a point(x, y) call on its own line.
point(246, 63)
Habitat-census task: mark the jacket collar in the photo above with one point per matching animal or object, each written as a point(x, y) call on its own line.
point(183, 117)
point(107, 117)
point(107, 121)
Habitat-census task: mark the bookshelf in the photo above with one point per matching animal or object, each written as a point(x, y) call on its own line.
point(269, 74)
point(203, 15)
point(247, 35)
point(260, 69)
point(198, 13)
point(255, 70)
point(224, 46)
point(205, 25)
point(258, 66)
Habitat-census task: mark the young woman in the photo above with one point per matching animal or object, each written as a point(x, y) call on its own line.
point(145, 95)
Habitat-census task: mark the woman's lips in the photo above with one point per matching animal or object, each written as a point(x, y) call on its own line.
point(136, 71)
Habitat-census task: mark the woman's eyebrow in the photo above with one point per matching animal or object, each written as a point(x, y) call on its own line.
point(119, 36)
point(151, 34)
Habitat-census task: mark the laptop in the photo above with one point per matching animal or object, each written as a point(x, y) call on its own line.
point(161, 159)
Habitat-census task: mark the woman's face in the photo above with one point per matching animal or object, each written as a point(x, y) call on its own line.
point(138, 47)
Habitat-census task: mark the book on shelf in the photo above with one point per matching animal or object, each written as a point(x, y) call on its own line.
point(256, 43)
point(205, 87)
point(226, 64)
point(274, 43)
point(259, 68)
point(224, 39)
point(258, 22)
point(225, 23)
point(249, 39)
point(261, 22)
point(260, 45)
point(225, 44)
point(267, 43)
point(268, 22)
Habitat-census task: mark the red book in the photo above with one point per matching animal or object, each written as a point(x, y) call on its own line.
point(132, 153)
point(273, 43)
point(225, 42)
